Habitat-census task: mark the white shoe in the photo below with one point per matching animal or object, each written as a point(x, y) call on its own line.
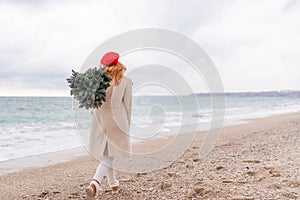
point(115, 187)
point(92, 190)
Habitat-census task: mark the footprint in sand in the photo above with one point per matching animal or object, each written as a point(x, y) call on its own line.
point(251, 173)
point(252, 161)
point(272, 171)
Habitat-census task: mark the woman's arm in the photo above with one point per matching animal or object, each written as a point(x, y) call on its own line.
point(128, 100)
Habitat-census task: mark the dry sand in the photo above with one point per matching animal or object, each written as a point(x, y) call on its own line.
point(257, 160)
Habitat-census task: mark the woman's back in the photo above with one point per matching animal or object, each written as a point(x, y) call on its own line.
point(115, 93)
point(114, 118)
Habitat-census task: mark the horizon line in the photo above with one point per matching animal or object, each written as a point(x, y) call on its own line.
point(159, 94)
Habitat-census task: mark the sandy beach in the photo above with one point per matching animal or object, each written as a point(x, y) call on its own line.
point(257, 160)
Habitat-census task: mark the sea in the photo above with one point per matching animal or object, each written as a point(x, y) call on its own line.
point(38, 125)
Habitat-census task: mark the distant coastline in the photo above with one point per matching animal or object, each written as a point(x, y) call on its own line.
point(282, 93)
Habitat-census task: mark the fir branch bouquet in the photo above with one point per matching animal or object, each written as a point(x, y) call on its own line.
point(89, 88)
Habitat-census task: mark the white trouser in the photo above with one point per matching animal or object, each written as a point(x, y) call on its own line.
point(105, 167)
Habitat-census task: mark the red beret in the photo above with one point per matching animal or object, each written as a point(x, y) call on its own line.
point(110, 58)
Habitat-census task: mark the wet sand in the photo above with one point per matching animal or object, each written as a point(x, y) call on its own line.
point(257, 160)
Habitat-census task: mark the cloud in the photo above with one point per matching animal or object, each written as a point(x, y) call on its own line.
point(254, 46)
point(253, 43)
point(291, 5)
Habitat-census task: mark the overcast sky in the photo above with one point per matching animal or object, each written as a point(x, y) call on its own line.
point(254, 44)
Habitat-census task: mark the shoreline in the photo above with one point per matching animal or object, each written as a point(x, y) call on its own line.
point(249, 161)
point(41, 160)
point(66, 155)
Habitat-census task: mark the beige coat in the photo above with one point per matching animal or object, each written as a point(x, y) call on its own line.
point(111, 122)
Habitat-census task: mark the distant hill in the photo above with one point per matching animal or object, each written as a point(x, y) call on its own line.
point(283, 93)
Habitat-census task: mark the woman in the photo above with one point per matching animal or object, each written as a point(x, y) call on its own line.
point(109, 136)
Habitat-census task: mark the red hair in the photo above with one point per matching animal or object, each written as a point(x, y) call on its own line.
point(116, 72)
